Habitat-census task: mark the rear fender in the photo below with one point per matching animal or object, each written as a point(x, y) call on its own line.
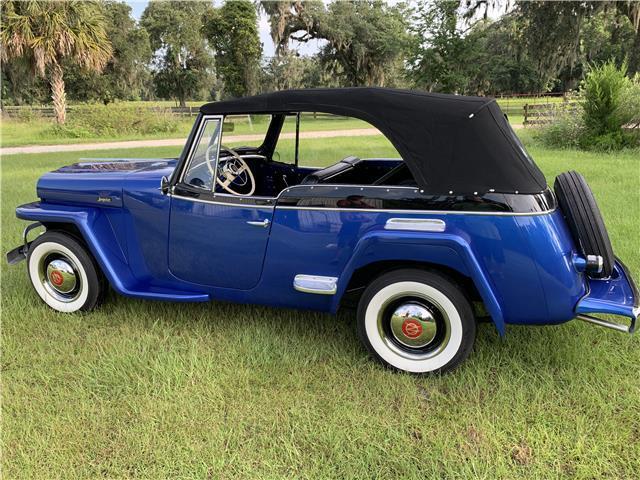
point(444, 249)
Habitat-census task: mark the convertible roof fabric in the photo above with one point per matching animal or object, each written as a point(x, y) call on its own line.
point(451, 143)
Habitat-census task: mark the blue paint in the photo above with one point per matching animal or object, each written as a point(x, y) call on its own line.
point(615, 295)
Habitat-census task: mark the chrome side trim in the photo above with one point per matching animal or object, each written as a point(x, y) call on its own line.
point(420, 212)
point(416, 224)
point(607, 324)
point(368, 210)
point(226, 204)
point(252, 197)
point(316, 284)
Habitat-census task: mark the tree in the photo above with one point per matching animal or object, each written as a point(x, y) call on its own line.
point(555, 31)
point(232, 31)
point(365, 40)
point(289, 70)
point(48, 33)
point(183, 60)
point(497, 61)
point(631, 9)
point(20, 86)
point(126, 75)
point(285, 18)
point(437, 61)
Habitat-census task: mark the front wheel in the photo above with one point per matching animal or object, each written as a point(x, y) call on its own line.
point(416, 321)
point(64, 274)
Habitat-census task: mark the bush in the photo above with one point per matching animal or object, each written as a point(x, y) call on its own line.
point(610, 104)
point(25, 114)
point(565, 131)
point(115, 120)
point(630, 103)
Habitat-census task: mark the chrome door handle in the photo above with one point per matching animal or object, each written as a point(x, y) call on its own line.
point(264, 224)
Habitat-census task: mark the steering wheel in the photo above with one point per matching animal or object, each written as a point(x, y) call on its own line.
point(232, 170)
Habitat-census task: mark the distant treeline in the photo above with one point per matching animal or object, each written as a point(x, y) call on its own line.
point(199, 51)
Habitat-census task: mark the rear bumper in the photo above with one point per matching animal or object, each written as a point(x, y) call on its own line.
point(616, 295)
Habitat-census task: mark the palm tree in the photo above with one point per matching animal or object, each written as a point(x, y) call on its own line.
point(50, 33)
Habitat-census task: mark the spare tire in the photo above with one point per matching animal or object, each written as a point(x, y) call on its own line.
point(585, 221)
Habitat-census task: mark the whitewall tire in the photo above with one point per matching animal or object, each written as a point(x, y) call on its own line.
point(416, 321)
point(64, 274)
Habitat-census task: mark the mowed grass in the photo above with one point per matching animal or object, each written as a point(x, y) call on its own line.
point(15, 132)
point(39, 131)
point(160, 390)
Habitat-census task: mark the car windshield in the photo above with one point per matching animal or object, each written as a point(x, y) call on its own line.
point(203, 162)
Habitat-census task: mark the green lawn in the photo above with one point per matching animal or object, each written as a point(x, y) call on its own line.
point(160, 390)
point(14, 133)
point(38, 131)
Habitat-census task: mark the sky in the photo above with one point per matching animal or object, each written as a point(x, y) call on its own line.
point(268, 49)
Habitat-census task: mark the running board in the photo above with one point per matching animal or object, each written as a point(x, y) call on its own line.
point(316, 284)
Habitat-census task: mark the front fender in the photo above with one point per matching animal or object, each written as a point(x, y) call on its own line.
point(100, 237)
point(96, 231)
point(444, 249)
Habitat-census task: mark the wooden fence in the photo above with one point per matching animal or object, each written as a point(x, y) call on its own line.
point(47, 112)
point(542, 113)
point(534, 113)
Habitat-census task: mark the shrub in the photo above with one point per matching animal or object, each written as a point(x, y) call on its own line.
point(630, 103)
point(608, 106)
point(609, 103)
point(26, 114)
point(115, 120)
point(565, 131)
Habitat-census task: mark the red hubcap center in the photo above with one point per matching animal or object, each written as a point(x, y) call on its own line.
point(56, 278)
point(412, 328)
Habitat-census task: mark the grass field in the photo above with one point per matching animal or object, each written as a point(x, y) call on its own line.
point(38, 131)
point(159, 390)
point(15, 133)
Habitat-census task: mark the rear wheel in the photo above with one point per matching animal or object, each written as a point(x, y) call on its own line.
point(64, 274)
point(416, 321)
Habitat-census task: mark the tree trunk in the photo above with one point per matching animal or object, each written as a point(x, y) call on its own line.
point(183, 102)
point(58, 94)
point(634, 56)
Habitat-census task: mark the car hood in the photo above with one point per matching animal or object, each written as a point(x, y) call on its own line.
point(101, 181)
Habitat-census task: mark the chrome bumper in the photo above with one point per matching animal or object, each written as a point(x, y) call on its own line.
point(20, 253)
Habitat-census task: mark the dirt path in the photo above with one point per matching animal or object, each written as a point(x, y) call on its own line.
point(172, 142)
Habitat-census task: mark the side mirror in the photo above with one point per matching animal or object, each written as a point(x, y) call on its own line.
point(164, 185)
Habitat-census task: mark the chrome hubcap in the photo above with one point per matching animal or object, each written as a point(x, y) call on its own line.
point(60, 277)
point(413, 325)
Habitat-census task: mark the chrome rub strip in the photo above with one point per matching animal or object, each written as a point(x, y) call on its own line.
point(419, 212)
point(315, 284)
point(416, 224)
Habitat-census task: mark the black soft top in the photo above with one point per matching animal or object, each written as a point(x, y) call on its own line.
point(451, 143)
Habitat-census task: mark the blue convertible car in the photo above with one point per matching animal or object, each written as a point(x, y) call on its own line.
point(463, 225)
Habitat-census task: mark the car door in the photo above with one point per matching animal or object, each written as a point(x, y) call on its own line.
point(215, 239)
